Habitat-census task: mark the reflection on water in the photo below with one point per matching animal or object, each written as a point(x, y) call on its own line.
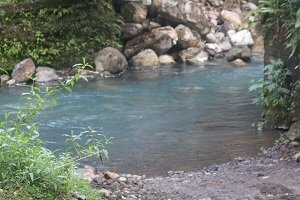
point(161, 121)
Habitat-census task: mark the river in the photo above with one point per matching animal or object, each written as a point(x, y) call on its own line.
point(181, 119)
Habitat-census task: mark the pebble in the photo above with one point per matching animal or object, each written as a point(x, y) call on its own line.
point(79, 196)
point(297, 157)
point(294, 144)
point(122, 179)
point(105, 192)
point(111, 175)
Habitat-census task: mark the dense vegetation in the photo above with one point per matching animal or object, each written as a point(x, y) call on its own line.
point(57, 36)
point(279, 95)
point(31, 171)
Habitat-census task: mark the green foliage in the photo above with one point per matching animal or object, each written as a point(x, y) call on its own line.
point(58, 36)
point(31, 171)
point(275, 94)
point(282, 16)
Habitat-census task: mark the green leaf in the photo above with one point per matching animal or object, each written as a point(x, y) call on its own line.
point(297, 24)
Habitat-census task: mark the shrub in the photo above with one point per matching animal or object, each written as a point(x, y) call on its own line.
point(31, 171)
point(57, 36)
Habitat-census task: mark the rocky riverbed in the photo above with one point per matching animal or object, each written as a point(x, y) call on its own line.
point(274, 174)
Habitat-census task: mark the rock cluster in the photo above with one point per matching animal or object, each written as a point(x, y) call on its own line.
point(185, 31)
point(26, 71)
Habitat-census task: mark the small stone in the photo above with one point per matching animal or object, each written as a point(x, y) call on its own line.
point(294, 144)
point(238, 62)
point(111, 175)
point(11, 82)
point(297, 157)
point(98, 178)
point(3, 79)
point(107, 193)
point(122, 179)
point(79, 196)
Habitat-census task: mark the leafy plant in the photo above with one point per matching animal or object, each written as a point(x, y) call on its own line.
point(31, 171)
point(57, 36)
point(274, 94)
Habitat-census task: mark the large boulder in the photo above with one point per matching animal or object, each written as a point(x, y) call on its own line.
point(45, 74)
point(160, 40)
point(130, 30)
point(134, 12)
point(146, 59)
point(294, 133)
point(23, 71)
point(240, 38)
point(111, 60)
point(239, 52)
point(166, 60)
point(231, 17)
point(185, 12)
point(193, 56)
point(187, 38)
point(164, 39)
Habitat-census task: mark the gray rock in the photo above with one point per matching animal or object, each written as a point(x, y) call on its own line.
point(294, 133)
point(185, 12)
point(45, 74)
point(193, 56)
point(23, 71)
point(159, 39)
point(134, 12)
point(3, 79)
point(145, 59)
point(238, 62)
point(79, 196)
point(111, 60)
point(187, 38)
point(215, 3)
point(214, 47)
point(215, 37)
point(166, 60)
point(130, 30)
point(294, 144)
point(297, 157)
point(239, 52)
point(225, 45)
point(122, 179)
point(11, 82)
point(107, 193)
point(231, 17)
point(240, 38)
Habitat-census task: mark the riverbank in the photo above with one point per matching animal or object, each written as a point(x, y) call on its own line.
point(274, 174)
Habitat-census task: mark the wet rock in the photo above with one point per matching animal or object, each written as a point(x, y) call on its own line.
point(240, 38)
point(11, 83)
point(23, 71)
point(238, 63)
point(231, 17)
point(130, 30)
point(240, 52)
point(111, 60)
point(294, 133)
point(296, 157)
point(186, 37)
point(3, 79)
point(185, 12)
point(134, 12)
point(193, 56)
point(45, 74)
point(111, 175)
point(166, 60)
point(146, 59)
